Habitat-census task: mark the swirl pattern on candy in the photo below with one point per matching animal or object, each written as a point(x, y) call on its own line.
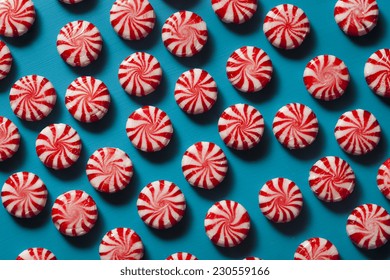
point(241, 126)
point(195, 91)
point(71, 1)
point(295, 126)
point(5, 60)
point(35, 254)
point(16, 17)
point(326, 77)
point(9, 139)
point(238, 11)
point(149, 129)
point(24, 195)
point(109, 170)
point(357, 132)
point(184, 34)
point(121, 244)
point(58, 146)
point(227, 223)
point(74, 213)
point(316, 248)
point(181, 256)
point(377, 72)
point(32, 98)
point(87, 99)
point(356, 17)
point(286, 26)
point(132, 19)
point(79, 43)
point(332, 179)
point(204, 165)
point(368, 226)
point(140, 74)
point(161, 204)
point(249, 69)
point(280, 200)
point(383, 178)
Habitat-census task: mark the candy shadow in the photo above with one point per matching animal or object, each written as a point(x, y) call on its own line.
point(382, 253)
point(82, 7)
point(95, 67)
point(182, 5)
point(7, 82)
point(253, 25)
point(15, 163)
point(155, 97)
point(148, 42)
point(304, 50)
point(374, 36)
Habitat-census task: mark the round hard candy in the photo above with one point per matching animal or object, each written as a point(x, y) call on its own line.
point(16, 17)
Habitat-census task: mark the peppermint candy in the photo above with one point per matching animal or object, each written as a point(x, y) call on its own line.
point(5, 60)
point(79, 43)
point(121, 244)
point(9, 139)
point(316, 249)
point(252, 259)
point(249, 69)
point(181, 256)
point(195, 91)
point(234, 11)
point(32, 98)
point(383, 178)
point(377, 72)
point(24, 195)
point(35, 254)
point(16, 17)
point(357, 132)
point(87, 99)
point(132, 19)
point(280, 200)
point(241, 126)
point(74, 213)
point(227, 223)
point(184, 34)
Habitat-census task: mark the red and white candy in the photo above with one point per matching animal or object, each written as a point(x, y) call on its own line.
point(383, 178)
point(79, 43)
point(249, 69)
point(149, 129)
point(368, 226)
point(184, 34)
point(195, 91)
point(316, 248)
point(71, 1)
point(5, 60)
point(377, 72)
point(241, 126)
point(252, 259)
point(204, 165)
point(32, 98)
point(121, 244)
point(227, 223)
point(286, 26)
point(58, 146)
point(16, 17)
point(356, 17)
point(140, 74)
point(326, 77)
point(87, 99)
point(161, 204)
point(74, 213)
point(109, 170)
point(357, 132)
point(24, 195)
point(332, 179)
point(280, 200)
point(132, 19)
point(181, 256)
point(9, 139)
point(295, 126)
point(234, 11)
point(35, 254)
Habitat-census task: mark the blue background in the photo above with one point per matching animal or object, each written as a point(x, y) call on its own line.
point(36, 53)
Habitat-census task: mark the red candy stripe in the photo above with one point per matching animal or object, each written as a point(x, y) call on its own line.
point(132, 19)
point(9, 139)
point(234, 11)
point(184, 34)
point(280, 200)
point(74, 213)
point(377, 72)
point(368, 226)
point(252, 259)
point(32, 98)
point(5, 60)
point(181, 256)
point(316, 249)
point(16, 17)
point(35, 254)
point(383, 178)
point(249, 69)
point(24, 195)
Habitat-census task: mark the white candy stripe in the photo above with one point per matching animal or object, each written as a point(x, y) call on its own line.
point(5, 60)
point(9, 139)
point(383, 178)
point(36, 254)
point(16, 17)
point(234, 11)
point(377, 72)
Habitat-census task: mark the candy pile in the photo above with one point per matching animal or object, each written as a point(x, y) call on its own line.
point(161, 204)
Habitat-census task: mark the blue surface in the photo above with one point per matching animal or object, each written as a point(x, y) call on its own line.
point(35, 53)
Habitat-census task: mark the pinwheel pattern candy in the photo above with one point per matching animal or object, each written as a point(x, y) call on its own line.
point(238, 11)
point(280, 200)
point(252, 259)
point(316, 248)
point(249, 69)
point(9, 139)
point(181, 256)
point(121, 244)
point(16, 17)
point(36, 254)
point(377, 72)
point(24, 195)
point(5, 60)
point(368, 226)
point(32, 98)
point(383, 178)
